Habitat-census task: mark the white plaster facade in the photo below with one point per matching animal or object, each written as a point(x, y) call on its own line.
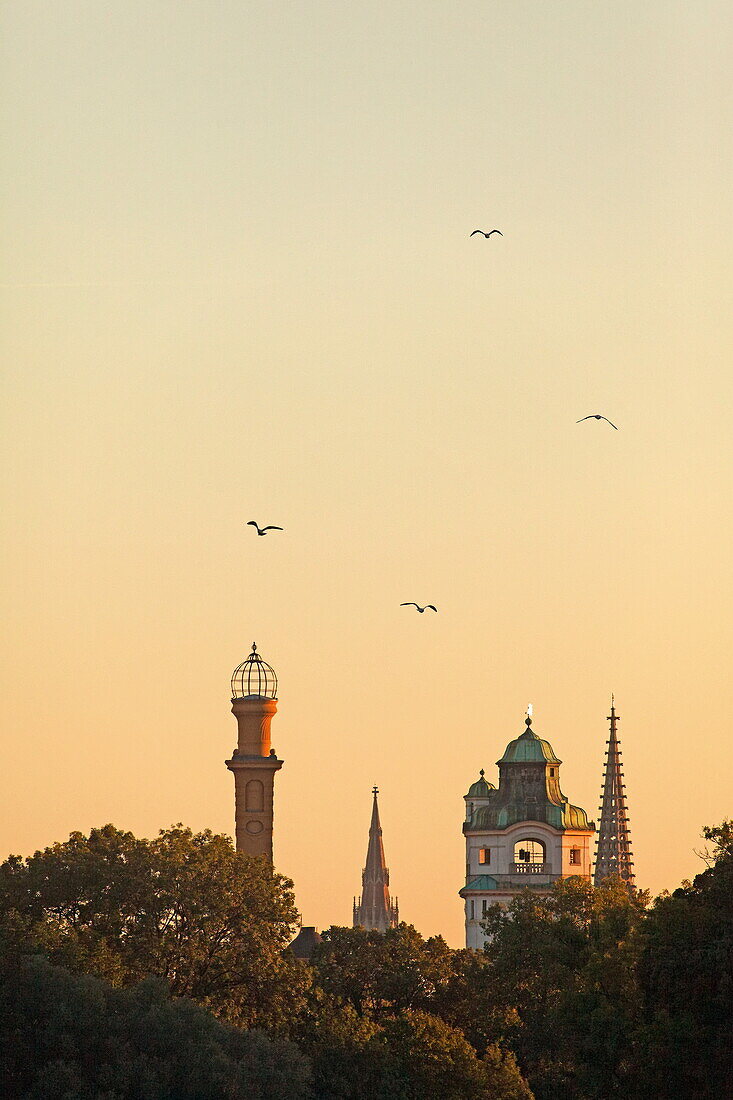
point(518, 876)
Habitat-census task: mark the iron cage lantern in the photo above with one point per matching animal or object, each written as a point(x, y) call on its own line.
point(254, 678)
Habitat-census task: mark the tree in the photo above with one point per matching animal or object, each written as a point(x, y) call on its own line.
point(372, 1027)
point(429, 1060)
point(382, 973)
point(72, 1036)
point(184, 907)
point(686, 973)
point(563, 979)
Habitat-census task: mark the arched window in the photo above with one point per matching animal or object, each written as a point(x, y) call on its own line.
point(529, 855)
point(254, 796)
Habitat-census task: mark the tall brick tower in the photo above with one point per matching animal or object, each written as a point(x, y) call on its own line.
point(613, 855)
point(254, 762)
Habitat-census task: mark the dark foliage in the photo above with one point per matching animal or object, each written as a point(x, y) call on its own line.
point(72, 1037)
point(106, 941)
point(686, 975)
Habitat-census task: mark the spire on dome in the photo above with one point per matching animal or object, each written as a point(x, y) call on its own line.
point(613, 854)
point(374, 910)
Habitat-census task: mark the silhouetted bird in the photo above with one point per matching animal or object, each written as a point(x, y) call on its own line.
point(487, 235)
point(420, 609)
point(263, 530)
point(595, 416)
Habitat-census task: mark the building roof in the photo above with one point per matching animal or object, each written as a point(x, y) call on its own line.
point(483, 883)
point(305, 943)
point(515, 809)
point(480, 788)
point(525, 793)
point(528, 748)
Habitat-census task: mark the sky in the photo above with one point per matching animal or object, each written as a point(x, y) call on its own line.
point(237, 282)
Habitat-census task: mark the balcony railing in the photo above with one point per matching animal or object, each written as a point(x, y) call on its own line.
point(530, 868)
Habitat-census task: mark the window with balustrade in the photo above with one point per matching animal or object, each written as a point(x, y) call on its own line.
point(529, 857)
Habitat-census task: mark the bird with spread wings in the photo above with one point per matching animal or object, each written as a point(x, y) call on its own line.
point(422, 610)
point(595, 416)
point(263, 530)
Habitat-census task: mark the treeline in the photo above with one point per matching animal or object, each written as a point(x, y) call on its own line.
point(159, 969)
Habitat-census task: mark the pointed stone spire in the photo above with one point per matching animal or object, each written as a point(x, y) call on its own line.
point(613, 855)
point(374, 910)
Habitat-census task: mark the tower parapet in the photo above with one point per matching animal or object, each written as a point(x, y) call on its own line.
point(254, 761)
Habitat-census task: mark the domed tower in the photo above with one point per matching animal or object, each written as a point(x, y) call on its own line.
point(523, 833)
point(254, 762)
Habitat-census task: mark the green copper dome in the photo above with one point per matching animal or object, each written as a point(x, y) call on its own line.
point(528, 748)
point(481, 788)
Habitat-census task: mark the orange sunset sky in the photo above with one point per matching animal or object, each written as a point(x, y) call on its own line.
point(237, 282)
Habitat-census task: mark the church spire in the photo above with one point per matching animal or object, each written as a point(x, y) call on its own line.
point(613, 855)
point(374, 910)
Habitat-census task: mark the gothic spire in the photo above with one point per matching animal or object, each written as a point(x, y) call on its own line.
point(613, 854)
point(374, 909)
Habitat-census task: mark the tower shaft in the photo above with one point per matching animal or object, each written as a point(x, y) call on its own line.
point(254, 765)
point(613, 854)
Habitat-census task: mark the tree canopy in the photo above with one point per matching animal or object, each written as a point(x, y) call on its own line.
point(72, 1036)
point(152, 967)
point(686, 977)
point(184, 907)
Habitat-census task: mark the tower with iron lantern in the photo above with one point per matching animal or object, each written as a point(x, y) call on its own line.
point(254, 761)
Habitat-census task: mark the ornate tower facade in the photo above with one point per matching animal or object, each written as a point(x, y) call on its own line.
point(254, 762)
point(523, 834)
point(374, 910)
point(613, 855)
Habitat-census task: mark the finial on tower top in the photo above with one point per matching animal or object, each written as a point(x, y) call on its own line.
point(254, 647)
point(375, 791)
point(481, 773)
point(528, 719)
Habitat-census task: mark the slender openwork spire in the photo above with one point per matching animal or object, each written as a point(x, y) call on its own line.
point(374, 909)
point(613, 854)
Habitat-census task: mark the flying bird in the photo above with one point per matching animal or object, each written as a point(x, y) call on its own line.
point(487, 235)
point(595, 416)
point(263, 530)
point(422, 610)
